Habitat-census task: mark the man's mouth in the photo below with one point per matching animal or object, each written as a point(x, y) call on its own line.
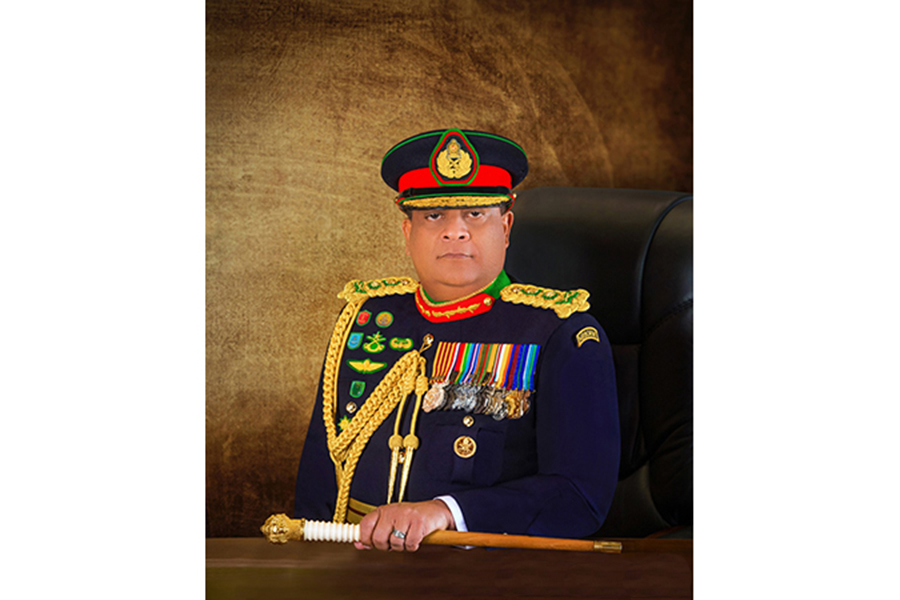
point(455, 255)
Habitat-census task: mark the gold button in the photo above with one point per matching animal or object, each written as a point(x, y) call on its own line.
point(464, 446)
point(351, 407)
point(468, 420)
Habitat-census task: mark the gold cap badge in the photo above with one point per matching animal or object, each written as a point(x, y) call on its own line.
point(453, 162)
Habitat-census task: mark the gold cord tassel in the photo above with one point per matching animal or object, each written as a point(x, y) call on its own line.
point(394, 443)
point(416, 379)
point(411, 441)
point(345, 448)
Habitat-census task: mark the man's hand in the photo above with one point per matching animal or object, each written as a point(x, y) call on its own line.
point(415, 519)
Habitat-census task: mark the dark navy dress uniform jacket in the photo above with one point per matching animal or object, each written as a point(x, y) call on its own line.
point(551, 472)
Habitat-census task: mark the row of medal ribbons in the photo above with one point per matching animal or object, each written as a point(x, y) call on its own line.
point(481, 378)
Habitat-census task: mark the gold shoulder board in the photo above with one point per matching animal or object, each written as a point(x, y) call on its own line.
point(565, 303)
point(358, 289)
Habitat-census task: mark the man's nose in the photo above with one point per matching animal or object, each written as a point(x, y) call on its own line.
point(455, 228)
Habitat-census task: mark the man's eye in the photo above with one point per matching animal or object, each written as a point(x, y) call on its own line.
point(475, 213)
point(433, 216)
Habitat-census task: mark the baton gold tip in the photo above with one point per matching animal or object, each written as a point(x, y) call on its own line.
point(279, 529)
point(607, 547)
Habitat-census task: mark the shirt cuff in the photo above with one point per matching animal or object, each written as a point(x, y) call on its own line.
point(458, 517)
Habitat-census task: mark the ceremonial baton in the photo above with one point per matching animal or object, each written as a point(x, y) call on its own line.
point(279, 529)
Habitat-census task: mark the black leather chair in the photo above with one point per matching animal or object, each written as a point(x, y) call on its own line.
point(633, 250)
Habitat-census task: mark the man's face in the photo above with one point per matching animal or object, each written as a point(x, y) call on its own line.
point(457, 251)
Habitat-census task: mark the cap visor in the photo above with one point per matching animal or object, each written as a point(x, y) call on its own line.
point(460, 201)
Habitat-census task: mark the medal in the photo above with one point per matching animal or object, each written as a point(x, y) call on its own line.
point(500, 413)
point(434, 397)
point(483, 399)
point(482, 378)
point(465, 398)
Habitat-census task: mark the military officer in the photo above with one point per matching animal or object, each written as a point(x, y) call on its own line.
point(463, 400)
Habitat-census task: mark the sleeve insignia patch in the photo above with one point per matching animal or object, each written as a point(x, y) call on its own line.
point(564, 303)
point(588, 333)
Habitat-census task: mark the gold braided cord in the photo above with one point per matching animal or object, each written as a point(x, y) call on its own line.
point(395, 442)
point(332, 363)
point(371, 409)
point(388, 397)
point(564, 303)
point(338, 444)
point(346, 448)
point(411, 441)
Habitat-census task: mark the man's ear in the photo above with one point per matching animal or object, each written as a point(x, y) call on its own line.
point(406, 226)
point(508, 219)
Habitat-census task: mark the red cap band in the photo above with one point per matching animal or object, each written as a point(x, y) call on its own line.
point(487, 176)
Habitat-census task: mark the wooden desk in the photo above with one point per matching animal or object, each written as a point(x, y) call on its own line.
point(252, 568)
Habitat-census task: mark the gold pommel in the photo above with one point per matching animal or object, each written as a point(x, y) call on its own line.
point(279, 529)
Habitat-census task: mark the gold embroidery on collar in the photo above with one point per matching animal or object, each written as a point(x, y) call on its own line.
point(437, 314)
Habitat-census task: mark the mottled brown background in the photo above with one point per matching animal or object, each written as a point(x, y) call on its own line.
point(304, 98)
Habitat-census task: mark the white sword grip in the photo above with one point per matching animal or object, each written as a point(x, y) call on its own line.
point(327, 531)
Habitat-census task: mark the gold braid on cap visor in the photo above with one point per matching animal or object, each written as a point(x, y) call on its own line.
point(455, 201)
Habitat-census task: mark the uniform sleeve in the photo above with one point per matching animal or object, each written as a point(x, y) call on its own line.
point(316, 486)
point(578, 446)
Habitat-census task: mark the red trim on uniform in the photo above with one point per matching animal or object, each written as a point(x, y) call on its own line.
point(454, 311)
point(488, 176)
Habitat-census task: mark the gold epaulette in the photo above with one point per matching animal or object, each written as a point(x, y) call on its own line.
point(358, 289)
point(565, 303)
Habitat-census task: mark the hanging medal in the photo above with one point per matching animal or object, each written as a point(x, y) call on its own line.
point(482, 378)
